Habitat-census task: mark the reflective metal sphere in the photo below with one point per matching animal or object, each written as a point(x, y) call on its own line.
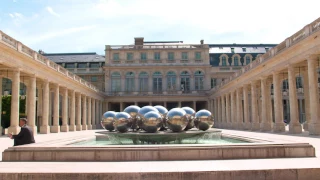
point(144, 110)
point(162, 110)
point(190, 116)
point(177, 120)
point(151, 122)
point(122, 122)
point(108, 119)
point(204, 120)
point(133, 111)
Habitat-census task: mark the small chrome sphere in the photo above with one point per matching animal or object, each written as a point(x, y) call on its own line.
point(152, 122)
point(190, 116)
point(204, 120)
point(144, 110)
point(108, 119)
point(177, 120)
point(122, 122)
point(133, 111)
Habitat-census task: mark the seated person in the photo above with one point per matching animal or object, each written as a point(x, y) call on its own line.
point(25, 136)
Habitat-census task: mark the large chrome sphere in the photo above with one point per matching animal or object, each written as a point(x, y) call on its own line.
point(151, 122)
point(108, 119)
point(122, 122)
point(203, 120)
point(133, 111)
point(162, 110)
point(177, 120)
point(190, 116)
point(144, 110)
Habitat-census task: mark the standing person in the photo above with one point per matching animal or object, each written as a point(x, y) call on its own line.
point(25, 136)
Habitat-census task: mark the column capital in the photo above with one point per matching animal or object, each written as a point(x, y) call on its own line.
point(263, 78)
point(312, 57)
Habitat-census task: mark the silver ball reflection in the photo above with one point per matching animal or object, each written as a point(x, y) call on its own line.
point(163, 112)
point(144, 110)
point(122, 122)
point(204, 120)
point(108, 119)
point(151, 122)
point(190, 116)
point(177, 120)
point(133, 111)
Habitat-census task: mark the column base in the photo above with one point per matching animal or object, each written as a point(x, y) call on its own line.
point(64, 128)
point(44, 129)
point(14, 130)
point(55, 129)
point(89, 127)
point(94, 126)
point(1, 129)
point(279, 127)
point(314, 129)
point(78, 127)
point(255, 126)
point(306, 126)
point(265, 127)
point(34, 129)
point(246, 126)
point(295, 128)
point(84, 127)
point(72, 128)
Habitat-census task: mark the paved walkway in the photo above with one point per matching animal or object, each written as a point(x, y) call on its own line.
point(166, 166)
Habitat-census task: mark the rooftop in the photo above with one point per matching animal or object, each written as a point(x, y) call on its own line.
point(74, 57)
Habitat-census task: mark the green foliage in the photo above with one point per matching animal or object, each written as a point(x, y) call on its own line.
point(6, 110)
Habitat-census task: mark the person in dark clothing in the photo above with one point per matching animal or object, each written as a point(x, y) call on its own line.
point(25, 136)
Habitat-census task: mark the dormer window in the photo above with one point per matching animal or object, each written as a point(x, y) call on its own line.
point(244, 49)
point(232, 50)
point(267, 49)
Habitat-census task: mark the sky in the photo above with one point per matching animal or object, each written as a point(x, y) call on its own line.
point(70, 26)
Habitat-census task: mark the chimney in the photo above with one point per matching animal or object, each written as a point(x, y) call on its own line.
point(201, 41)
point(138, 41)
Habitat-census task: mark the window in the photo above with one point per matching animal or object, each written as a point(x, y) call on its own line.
point(220, 47)
point(299, 82)
point(248, 60)
point(267, 49)
point(236, 61)
point(184, 55)
point(143, 56)
point(82, 65)
point(70, 65)
point(115, 56)
point(213, 82)
point(171, 80)
point(170, 56)
point(198, 55)
point(94, 65)
point(129, 56)
point(232, 50)
point(224, 61)
point(157, 82)
point(157, 56)
point(129, 82)
point(143, 81)
point(115, 82)
point(285, 85)
point(94, 79)
point(185, 81)
point(199, 78)
point(244, 49)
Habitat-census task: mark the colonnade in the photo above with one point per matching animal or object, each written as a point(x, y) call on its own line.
point(253, 106)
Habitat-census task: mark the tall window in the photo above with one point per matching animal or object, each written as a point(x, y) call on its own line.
point(94, 65)
point(70, 65)
point(170, 56)
point(224, 61)
point(143, 81)
point(185, 81)
point(236, 61)
point(129, 56)
point(157, 56)
point(213, 82)
point(143, 56)
point(115, 56)
point(299, 82)
point(94, 78)
point(199, 78)
point(184, 55)
point(82, 65)
point(198, 55)
point(129, 82)
point(285, 85)
point(171, 80)
point(157, 82)
point(248, 59)
point(115, 82)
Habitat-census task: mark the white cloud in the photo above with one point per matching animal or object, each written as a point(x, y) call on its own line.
point(16, 15)
point(50, 10)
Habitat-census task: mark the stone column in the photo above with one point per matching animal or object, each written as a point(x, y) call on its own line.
point(65, 126)
point(14, 119)
point(269, 103)
point(254, 107)
point(78, 113)
point(72, 126)
point(44, 128)
point(223, 111)
point(278, 106)
point(219, 112)
point(239, 119)
point(265, 124)
point(100, 113)
point(84, 113)
point(294, 126)
point(1, 129)
point(150, 87)
point(194, 105)
point(233, 112)
point(136, 83)
point(228, 121)
point(93, 114)
point(247, 124)
point(179, 104)
point(31, 100)
point(306, 98)
point(55, 128)
point(89, 114)
point(314, 124)
point(121, 106)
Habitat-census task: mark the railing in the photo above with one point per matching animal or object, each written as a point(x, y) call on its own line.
point(11, 42)
point(182, 46)
point(295, 38)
